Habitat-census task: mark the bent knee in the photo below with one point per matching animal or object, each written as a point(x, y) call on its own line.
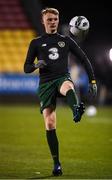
point(66, 86)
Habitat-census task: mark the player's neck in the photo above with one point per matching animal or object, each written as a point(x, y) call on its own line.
point(51, 32)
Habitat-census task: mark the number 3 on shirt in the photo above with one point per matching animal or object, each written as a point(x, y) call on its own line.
point(53, 53)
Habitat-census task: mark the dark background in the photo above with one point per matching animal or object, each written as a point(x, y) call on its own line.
point(99, 39)
point(98, 13)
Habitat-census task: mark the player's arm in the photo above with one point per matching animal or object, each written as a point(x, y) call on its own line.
point(79, 53)
point(29, 65)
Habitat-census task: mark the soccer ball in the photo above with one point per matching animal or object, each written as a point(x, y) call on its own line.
point(91, 111)
point(79, 27)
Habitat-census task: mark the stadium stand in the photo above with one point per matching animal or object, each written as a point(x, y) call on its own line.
point(15, 35)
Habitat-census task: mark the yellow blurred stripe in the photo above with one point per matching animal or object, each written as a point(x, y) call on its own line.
point(13, 49)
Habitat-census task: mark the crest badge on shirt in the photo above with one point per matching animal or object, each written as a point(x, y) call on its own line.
point(61, 43)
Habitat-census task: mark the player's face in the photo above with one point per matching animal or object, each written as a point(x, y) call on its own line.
point(50, 22)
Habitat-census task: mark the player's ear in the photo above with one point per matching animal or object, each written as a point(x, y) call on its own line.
point(42, 21)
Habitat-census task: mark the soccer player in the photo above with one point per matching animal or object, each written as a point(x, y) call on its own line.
point(51, 49)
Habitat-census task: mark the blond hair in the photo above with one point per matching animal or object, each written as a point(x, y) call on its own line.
point(49, 10)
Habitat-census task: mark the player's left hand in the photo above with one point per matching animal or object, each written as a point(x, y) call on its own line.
point(93, 88)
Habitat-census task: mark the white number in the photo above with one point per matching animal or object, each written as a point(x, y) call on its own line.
point(53, 53)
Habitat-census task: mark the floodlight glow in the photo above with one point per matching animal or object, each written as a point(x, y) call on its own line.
point(110, 54)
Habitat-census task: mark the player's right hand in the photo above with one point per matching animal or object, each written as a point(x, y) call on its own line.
point(40, 64)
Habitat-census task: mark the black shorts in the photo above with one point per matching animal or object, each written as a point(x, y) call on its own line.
point(49, 91)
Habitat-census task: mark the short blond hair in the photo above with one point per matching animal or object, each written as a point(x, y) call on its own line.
point(49, 10)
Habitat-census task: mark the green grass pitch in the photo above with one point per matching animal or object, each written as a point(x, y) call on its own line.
point(85, 147)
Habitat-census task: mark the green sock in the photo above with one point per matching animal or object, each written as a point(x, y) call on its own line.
point(72, 98)
point(53, 144)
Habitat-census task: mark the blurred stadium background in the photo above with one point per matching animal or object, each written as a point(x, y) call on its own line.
point(20, 22)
